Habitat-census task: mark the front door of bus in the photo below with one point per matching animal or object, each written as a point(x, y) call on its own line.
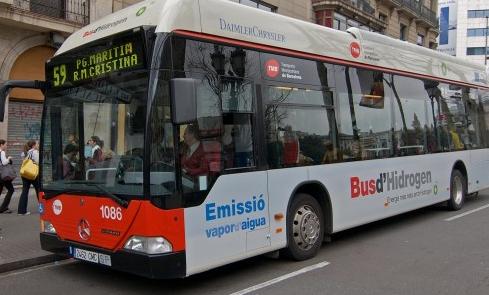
point(233, 219)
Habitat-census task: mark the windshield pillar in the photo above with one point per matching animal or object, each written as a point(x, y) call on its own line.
point(56, 143)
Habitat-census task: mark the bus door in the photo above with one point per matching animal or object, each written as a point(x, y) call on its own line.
point(476, 140)
point(226, 198)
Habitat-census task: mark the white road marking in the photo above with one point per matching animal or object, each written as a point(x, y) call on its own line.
point(467, 213)
point(282, 278)
point(35, 268)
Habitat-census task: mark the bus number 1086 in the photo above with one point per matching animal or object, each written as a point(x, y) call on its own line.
point(111, 213)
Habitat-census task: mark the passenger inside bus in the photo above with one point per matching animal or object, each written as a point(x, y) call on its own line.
point(192, 154)
point(97, 154)
point(332, 154)
point(291, 150)
point(237, 140)
point(69, 161)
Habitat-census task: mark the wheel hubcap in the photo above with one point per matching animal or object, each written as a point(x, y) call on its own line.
point(306, 227)
point(457, 189)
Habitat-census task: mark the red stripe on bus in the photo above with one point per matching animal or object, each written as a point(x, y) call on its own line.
point(322, 58)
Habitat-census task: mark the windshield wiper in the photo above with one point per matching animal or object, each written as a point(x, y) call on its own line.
point(51, 195)
point(118, 200)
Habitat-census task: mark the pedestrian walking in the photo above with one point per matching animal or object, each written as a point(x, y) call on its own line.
point(7, 183)
point(31, 151)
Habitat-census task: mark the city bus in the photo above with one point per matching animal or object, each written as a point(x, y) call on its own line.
point(180, 135)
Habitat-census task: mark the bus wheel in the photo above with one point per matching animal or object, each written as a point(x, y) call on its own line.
point(305, 228)
point(458, 189)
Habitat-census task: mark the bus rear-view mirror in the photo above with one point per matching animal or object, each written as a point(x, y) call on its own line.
point(7, 86)
point(183, 100)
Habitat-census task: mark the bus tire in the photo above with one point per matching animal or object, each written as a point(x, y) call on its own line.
point(458, 190)
point(305, 228)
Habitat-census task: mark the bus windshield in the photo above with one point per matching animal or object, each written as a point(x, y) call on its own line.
point(93, 137)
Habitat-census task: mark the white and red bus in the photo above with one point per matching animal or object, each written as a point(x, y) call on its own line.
point(182, 135)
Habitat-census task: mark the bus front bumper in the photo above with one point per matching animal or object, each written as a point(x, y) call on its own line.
point(161, 266)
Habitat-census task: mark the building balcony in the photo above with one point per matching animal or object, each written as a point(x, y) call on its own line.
point(361, 5)
point(421, 13)
point(45, 15)
point(360, 10)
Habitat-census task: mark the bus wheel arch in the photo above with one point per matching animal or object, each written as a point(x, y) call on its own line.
point(307, 198)
point(458, 186)
point(460, 166)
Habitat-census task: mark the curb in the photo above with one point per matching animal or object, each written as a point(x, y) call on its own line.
point(16, 265)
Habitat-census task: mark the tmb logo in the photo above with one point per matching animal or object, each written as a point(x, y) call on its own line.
point(355, 49)
point(272, 68)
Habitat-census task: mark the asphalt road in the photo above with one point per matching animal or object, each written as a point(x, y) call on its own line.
point(416, 253)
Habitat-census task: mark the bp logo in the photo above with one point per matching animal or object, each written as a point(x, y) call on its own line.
point(435, 190)
point(141, 11)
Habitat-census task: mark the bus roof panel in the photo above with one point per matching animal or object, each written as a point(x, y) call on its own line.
point(227, 19)
point(396, 54)
point(182, 14)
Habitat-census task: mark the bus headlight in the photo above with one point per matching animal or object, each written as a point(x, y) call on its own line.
point(154, 245)
point(47, 227)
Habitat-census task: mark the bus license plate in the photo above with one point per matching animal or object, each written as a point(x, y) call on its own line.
point(92, 256)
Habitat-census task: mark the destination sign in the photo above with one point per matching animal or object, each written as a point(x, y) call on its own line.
point(96, 62)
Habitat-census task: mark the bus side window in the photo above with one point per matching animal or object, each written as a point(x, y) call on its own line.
point(237, 107)
point(410, 115)
point(474, 134)
point(300, 127)
point(483, 109)
point(238, 141)
point(364, 114)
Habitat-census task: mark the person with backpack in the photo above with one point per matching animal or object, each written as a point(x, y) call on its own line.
point(4, 161)
point(31, 151)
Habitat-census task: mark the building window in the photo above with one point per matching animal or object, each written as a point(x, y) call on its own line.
point(420, 40)
point(383, 17)
point(342, 23)
point(339, 22)
point(478, 13)
point(49, 8)
point(257, 4)
point(475, 51)
point(402, 32)
point(352, 23)
point(479, 32)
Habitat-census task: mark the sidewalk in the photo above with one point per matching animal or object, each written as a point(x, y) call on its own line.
point(19, 236)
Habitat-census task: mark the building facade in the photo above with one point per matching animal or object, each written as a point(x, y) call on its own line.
point(30, 33)
point(414, 21)
point(300, 9)
point(463, 28)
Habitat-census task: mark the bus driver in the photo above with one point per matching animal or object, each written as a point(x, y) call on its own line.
point(193, 156)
